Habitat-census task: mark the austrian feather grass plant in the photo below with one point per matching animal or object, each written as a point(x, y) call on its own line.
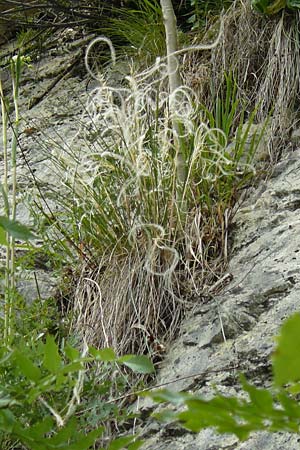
point(142, 254)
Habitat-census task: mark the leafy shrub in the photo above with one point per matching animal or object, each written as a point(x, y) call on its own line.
point(46, 392)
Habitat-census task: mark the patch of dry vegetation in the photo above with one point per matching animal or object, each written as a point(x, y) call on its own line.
point(262, 52)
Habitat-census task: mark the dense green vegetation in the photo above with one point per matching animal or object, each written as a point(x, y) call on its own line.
point(143, 223)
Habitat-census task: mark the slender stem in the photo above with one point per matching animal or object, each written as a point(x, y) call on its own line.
point(10, 213)
point(4, 188)
point(16, 71)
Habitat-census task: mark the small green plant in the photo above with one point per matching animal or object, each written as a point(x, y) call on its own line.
point(273, 409)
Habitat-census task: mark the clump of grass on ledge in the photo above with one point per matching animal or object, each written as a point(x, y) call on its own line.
point(263, 53)
point(143, 255)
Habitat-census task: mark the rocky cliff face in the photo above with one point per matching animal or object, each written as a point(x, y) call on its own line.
point(226, 333)
point(53, 94)
point(234, 332)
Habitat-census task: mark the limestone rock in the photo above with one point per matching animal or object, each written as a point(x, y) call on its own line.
point(237, 327)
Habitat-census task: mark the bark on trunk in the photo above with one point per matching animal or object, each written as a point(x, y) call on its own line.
point(174, 77)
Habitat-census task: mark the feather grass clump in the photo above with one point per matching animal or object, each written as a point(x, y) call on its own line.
point(143, 255)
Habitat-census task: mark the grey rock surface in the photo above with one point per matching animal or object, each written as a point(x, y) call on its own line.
point(52, 105)
point(234, 332)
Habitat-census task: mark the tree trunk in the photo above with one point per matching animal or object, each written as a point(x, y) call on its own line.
point(174, 82)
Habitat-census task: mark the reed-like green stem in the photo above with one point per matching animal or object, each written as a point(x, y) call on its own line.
point(10, 205)
point(4, 188)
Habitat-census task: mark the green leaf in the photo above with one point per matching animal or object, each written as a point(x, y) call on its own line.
point(293, 4)
point(65, 433)
point(71, 352)
point(261, 398)
point(268, 6)
point(166, 416)
point(16, 229)
point(105, 354)
point(294, 389)
point(7, 420)
point(26, 366)
point(290, 406)
point(85, 441)
point(135, 445)
point(120, 443)
point(220, 412)
point(39, 429)
point(72, 367)
point(3, 240)
point(52, 360)
point(138, 364)
point(6, 402)
point(5, 199)
point(286, 359)
point(165, 395)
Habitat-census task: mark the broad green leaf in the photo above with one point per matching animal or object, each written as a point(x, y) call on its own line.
point(286, 359)
point(293, 4)
point(16, 229)
point(73, 367)
point(138, 364)
point(60, 440)
point(26, 366)
point(218, 412)
point(45, 384)
point(294, 389)
point(290, 406)
point(269, 7)
point(105, 354)
point(52, 360)
point(166, 416)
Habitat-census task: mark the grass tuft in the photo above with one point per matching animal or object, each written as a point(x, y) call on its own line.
point(144, 256)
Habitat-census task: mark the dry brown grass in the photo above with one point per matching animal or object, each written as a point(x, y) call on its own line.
point(126, 305)
point(122, 305)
